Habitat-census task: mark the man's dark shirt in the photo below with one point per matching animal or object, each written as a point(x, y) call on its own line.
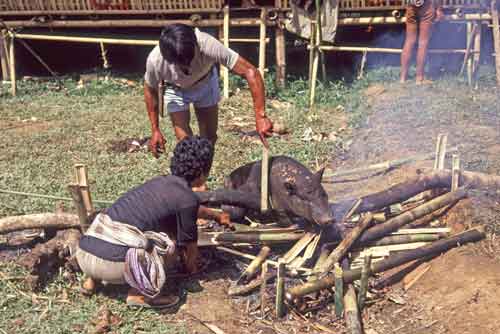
point(163, 204)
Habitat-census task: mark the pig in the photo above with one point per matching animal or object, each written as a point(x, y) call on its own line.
point(293, 189)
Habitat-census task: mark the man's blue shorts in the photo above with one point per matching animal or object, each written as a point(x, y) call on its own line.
point(203, 95)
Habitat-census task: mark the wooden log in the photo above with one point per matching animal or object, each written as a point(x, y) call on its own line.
point(46, 258)
point(496, 38)
point(77, 196)
point(263, 287)
point(434, 248)
point(351, 315)
point(256, 263)
point(280, 289)
point(365, 275)
point(397, 222)
point(346, 244)
point(429, 180)
point(264, 180)
point(81, 178)
point(339, 290)
point(51, 221)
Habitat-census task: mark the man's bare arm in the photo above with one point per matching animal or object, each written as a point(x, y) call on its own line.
point(157, 141)
point(263, 124)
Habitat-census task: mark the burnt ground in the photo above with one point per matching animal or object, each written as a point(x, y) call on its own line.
point(460, 293)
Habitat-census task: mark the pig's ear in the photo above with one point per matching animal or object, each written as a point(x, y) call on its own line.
point(319, 175)
point(291, 188)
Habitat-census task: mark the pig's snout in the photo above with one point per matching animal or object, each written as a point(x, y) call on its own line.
point(322, 216)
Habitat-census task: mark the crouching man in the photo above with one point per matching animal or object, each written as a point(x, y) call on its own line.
point(128, 243)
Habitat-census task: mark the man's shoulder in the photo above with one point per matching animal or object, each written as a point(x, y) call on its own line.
point(155, 56)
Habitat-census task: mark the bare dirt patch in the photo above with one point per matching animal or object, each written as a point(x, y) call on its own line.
point(459, 294)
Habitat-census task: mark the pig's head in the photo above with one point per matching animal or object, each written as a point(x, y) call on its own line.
point(297, 191)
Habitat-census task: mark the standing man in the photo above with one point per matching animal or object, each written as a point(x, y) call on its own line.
point(128, 243)
point(420, 16)
point(185, 59)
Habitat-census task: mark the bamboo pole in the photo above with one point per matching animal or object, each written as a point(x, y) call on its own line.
point(393, 261)
point(4, 56)
point(440, 151)
point(104, 56)
point(313, 78)
point(280, 44)
point(477, 48)
point(256, 263)
point(78, 202)
point(407, 217)
point(311, 48)
point(496, 38)
point(470, 32)
point(339, 290)
point(12, 64)
point(263, 287)
point(136, 23)
point(384, 50)
point(81, 178)
point(351, 314)
point(264, 177)
point(346, 244)
point(262, 41)
point(455, 172)
point(280, 289)
point(362, 65)
point(365, 274)
point(225, 70)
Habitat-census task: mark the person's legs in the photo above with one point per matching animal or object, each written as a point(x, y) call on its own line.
point(208, 120)
point(180, 123)
point(427, 15)
point(410, 39)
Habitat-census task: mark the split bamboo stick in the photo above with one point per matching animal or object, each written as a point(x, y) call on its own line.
point(280, 289)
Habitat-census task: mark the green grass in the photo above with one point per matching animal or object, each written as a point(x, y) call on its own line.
point(52, 125)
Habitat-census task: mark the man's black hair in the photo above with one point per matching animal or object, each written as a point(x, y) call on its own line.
point(178, 44)
point(192, 158)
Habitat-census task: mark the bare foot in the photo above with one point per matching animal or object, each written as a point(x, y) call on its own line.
point(424, 82)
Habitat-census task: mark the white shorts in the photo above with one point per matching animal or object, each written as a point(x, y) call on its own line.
point(203, 95)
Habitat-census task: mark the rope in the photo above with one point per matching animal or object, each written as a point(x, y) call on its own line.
point(2, 191)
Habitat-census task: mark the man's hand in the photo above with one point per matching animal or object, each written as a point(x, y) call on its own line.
point(264, 128)
point(157, 143)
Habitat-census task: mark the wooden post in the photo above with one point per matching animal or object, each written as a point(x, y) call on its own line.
point(496, 38)
point(339, 290)
point(440, 151)
point(351, 314)
point(81, 178)
point(280, 289)
point(262, 41)
point(477, 48)
point(12, 64)
point(280, 57)
point(455, 172)
point(4, 56)
point(104, 56)
point(224, 70)
point(469, 31)
point(313, 78)
point(264, 179)
point(79, 204)
point(263, 289)
point(365, 274)
point(319, 38)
